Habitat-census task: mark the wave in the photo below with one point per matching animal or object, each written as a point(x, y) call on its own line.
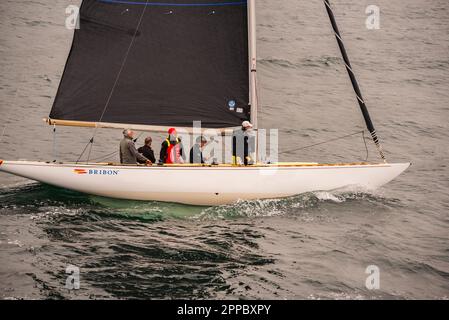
point(46, 202)
point(299, 204)
point(323, 61)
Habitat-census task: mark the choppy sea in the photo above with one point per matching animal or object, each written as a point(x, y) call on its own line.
point(311, 246)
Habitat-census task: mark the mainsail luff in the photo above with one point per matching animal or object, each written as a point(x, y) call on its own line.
point(252, 30)
point(253, 61)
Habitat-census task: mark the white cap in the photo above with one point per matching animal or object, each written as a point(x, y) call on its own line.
point(247, 124)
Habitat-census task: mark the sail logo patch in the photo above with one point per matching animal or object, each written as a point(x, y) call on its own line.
point(102, 172)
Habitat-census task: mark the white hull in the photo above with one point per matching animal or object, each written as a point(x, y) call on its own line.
point(205, 185)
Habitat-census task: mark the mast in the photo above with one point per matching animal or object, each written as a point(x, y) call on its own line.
point(253, 69)
point(355, 85)
point(253, 60)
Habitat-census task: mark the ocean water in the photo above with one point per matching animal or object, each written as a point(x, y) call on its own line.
point(311, 246)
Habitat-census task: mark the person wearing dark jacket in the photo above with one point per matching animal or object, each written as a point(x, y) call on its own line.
point(172, 150)
point(196, 153)
point(243, 145)
point(147, 151)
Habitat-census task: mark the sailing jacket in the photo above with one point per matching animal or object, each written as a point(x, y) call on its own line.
point(243, 145)
point(147, 153)
point(172, 151)
point(129, 153)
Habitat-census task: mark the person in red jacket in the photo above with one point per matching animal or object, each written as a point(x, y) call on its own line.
point(172, 150)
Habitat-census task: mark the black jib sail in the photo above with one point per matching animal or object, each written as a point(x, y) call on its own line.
point(157, 63)
point(355, 85)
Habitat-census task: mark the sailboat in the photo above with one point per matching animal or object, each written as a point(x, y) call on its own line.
point(149, 65)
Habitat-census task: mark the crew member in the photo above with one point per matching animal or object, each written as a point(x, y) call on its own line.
point(243, 144)
point(196, 153)
point(172, 150)
point(128, 151)
point(147, 151)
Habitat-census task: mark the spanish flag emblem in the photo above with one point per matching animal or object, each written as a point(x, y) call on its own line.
point(80, 171)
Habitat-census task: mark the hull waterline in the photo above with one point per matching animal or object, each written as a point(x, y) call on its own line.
point(205, 185)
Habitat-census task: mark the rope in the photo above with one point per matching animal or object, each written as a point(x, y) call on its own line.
point(323, 142)
point(54, 143)
point(105, 156)
point(116, 80)
point(123, 63)
point(135, 140)
point(102, 157)
point(352, 76)
point(84, 150)
point(90, 149)
point(366, 146)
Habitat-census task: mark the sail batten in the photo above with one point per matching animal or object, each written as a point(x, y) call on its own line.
point(188, 62)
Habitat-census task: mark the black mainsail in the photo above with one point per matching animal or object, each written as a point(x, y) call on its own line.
point(187, 61)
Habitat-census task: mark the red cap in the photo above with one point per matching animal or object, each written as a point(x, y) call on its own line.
point(171, 130)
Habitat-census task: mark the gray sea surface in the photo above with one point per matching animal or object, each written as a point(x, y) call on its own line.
point(311, 246)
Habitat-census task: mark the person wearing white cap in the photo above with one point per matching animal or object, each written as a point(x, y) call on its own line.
point(243, 144)
point(246, 125)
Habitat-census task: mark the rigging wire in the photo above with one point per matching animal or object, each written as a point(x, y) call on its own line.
point(104, 156)
point(123, 63)
point(54, 143)
point(84, 150)
point(138, 137)
point(90, 149)
point(328, 141)
point(366, 146)
point(355, 85)
point(91, 142)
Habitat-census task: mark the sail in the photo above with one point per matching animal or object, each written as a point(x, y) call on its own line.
point(158, 64)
